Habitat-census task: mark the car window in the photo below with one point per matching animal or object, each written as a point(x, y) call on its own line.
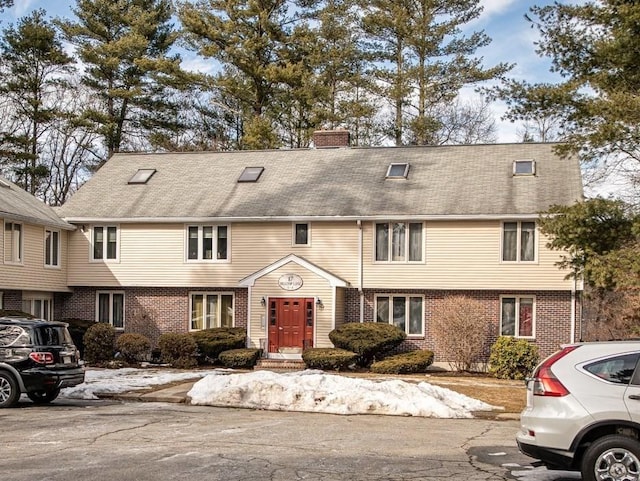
point(617, 369)
point(13, 336)
point(51, 336)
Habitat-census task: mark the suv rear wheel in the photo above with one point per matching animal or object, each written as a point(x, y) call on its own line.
point(612, 458)
point(43, 397)
point(9, 390)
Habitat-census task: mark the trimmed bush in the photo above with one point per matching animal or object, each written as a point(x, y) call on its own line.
point(99, 343)
point(328, 359)
point(245, 358)
point(211, 342)
point(405, 363)
point(77, 329)
point(368, 339)
point(512, 358)
point(15, 313)
point(133, 347)
point(179, 350)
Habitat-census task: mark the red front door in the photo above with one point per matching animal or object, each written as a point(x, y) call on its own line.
point(290, 323)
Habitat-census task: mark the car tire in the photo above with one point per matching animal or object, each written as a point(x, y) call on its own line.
point(9, 390)
point(612, 458)
point(43, 397)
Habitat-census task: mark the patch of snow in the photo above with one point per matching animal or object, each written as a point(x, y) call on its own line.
point(543, 474)
point(315, 391)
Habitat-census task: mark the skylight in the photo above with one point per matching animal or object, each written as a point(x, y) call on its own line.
point(4, 183)
point(142, 176)
point(251, 174)
point(398, 171)
point(524, 167)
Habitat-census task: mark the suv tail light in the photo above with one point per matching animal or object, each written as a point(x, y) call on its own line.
point(41, 357)
point(545, 383)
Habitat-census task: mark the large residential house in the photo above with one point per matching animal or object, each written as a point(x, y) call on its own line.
point(293, 243)
point(33, 250)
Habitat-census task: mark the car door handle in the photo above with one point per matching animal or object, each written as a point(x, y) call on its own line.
point(635, 397)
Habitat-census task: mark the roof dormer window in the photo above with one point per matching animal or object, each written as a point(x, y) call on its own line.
point(524, 167)
point(398, 171)
point(142, 176)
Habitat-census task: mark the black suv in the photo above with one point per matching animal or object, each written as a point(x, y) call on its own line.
point(37, 358)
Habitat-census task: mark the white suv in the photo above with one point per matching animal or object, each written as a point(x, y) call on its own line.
point(583, 411)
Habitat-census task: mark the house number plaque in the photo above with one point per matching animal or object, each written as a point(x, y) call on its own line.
point(290, 282)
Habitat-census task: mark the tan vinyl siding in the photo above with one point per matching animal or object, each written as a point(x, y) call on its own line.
point(31, 274)
point(463, 255)
point(154, 255)
point(313, 286)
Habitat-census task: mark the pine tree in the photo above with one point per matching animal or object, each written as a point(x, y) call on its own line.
point(34, 64)
point(125, 45)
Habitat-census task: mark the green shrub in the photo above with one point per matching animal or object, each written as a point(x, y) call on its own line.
point(211, 342)
point(328, 359)
point(512, 358)
point(99, 343)
point(77, 329)
point(245, 358)
point(368, 339)
point(405, 363)
point(179, 350)
point(133, 347)
point(15, 313)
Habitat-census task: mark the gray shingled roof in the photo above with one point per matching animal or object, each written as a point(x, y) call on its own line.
point(18, 205)
point(472, 180)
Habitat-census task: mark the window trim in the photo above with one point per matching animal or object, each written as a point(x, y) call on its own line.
point(219, 294)
point(20, 259)
point(50, 265)
point(32, 298)
point(293, 234)
point(404, 174)
point(214, 259)
point(518, 297)
point(124, 309)
point(524, 161)
point(407, 301)
point(519, 242)
point(407, 243)
point(104, 259)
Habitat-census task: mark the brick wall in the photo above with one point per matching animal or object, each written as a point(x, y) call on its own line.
point(12, 300)
point(151, 311)
point(553, 315)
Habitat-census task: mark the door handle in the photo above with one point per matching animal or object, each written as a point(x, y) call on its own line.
point(635, 397)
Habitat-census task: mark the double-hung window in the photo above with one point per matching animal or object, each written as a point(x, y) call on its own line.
point(301, 234)
point(13, 242)
point(105, 243)
point(51, 248)
point(517, 316)
point(110, 308)
point(210, 309)
point(207, 243)
point(518, 241)
point(399, 242)
point(404, 311)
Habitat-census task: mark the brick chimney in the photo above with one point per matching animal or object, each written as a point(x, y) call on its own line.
point(325, 139)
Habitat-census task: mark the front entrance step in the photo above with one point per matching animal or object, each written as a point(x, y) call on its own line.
point(289, 364)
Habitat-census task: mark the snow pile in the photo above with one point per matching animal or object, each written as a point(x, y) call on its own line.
point(116, 381)
point(315, 391)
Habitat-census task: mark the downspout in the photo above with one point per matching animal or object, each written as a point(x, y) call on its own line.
point(360, 271)
point(572, 338)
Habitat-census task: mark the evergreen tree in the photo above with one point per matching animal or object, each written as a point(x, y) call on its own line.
point(594, 48)
point(423, 59)
point(33, 65)
point(125, 45)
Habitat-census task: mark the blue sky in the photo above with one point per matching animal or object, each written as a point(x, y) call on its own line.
point(502, 20)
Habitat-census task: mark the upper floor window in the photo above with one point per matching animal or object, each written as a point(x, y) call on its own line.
point(524, 167)
point(210, 309)
point(301, 234)
point(403, 311)
point(110, 308)
point(517, 316)
point(105, 242)
point(207, 242)
point(51, 248)
point(519, 241)
point(13, 242)
point(399, 242)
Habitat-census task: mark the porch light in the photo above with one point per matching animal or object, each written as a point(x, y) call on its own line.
point(319, 303)
point(263, 301)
